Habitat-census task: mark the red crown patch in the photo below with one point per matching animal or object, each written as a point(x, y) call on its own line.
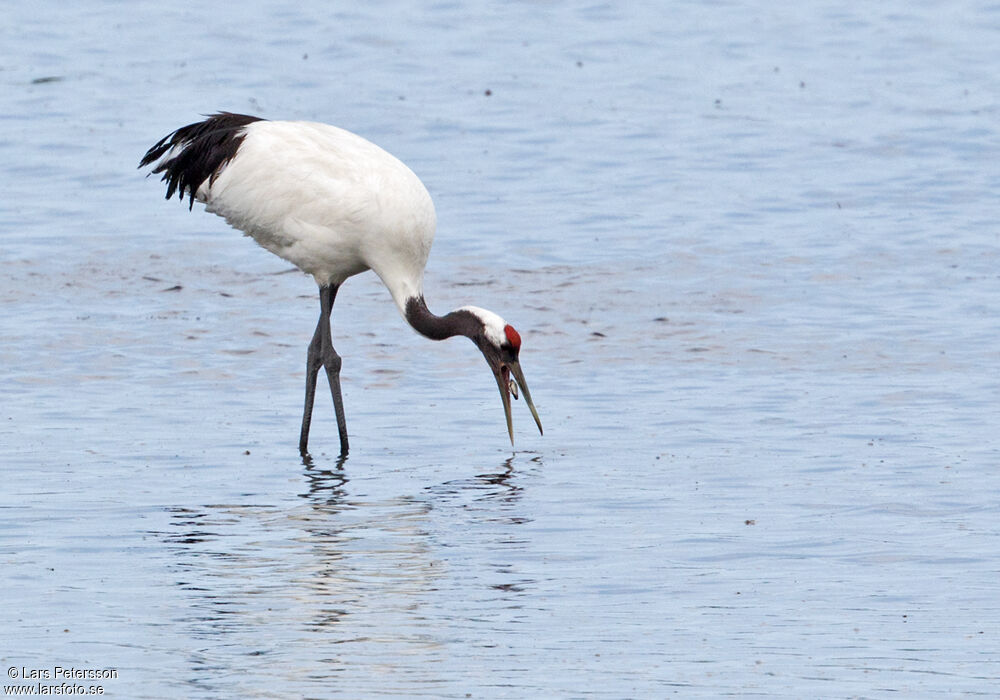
point(512, 336)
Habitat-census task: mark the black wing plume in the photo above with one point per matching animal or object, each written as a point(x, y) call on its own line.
point(205, 148)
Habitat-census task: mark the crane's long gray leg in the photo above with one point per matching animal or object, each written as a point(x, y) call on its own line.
point(313, 363)
point(322, 354)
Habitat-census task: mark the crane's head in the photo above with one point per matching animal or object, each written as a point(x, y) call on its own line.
point(500, 345)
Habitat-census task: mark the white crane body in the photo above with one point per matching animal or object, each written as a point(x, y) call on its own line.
point(334, 205)
point(328, 201)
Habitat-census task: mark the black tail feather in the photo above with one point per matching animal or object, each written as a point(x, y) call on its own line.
point(205, 148)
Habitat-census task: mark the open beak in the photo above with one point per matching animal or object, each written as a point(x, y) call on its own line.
point(503, 373)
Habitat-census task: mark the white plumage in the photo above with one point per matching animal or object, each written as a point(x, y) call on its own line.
point(334, 205)
point(328, 201)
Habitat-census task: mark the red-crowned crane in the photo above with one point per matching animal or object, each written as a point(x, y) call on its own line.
point(334, 205)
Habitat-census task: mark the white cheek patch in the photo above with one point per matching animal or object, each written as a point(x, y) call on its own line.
point(493, 325)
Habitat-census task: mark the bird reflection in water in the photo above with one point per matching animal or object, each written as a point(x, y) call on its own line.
point(489, 516)
point(332, 554)
point(335, 566)
point(500, 485)
point(325, 484)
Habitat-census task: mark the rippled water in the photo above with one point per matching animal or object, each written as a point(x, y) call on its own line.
point(753, 255)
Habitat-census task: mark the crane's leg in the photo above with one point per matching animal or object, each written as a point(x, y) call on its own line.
point(322, 354)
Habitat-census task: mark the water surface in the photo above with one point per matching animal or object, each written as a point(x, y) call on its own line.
point(752, 252)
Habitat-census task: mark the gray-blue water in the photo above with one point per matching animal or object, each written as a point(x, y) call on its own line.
point(752, 250)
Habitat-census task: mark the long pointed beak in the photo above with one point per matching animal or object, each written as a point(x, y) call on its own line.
point(515, 369)
point(506, 385)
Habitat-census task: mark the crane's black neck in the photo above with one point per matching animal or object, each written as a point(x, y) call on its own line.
point(460, 322)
